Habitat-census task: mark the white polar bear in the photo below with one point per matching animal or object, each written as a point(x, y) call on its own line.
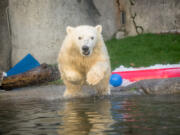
point(83, 60)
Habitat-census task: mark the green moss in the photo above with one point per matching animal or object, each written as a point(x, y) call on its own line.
point(133, 89)
point(144, 50)
point(57, 82)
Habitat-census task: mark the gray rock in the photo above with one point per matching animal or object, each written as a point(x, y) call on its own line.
point(155, 86)
point(5, 44)
point(120, 35)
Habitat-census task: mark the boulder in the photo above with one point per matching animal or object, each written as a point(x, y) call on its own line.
point(155, 86)
point(120, 35)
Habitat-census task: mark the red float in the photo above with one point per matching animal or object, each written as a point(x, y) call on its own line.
point(138, 75)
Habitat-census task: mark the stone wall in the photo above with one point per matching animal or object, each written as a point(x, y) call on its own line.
point(157, 15)
point(38, 26)
point(5, 46)
point(150, 16)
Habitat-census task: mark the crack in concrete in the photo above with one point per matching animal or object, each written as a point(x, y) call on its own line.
point(139, 29)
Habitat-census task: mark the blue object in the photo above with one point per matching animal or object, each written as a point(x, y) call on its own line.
point(115, 80)
point(27, 63)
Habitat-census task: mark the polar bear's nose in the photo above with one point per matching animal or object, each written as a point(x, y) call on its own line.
point(85, 48)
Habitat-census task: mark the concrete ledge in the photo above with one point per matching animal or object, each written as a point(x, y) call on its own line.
point(156, 86)
point(55, 92)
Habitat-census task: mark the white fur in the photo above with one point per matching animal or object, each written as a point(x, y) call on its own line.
point(76, 68)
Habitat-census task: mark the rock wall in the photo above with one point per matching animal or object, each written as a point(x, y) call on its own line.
point(5, 45)
point(38, 26)
point(107, 17)
point(151, 16)
point(157, 16)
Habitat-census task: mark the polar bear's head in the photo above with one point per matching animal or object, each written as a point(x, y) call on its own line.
point(85, 37)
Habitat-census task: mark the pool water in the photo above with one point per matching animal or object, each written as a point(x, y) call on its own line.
point(127, 115)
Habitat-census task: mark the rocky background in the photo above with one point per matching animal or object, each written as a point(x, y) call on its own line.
point(38, 26)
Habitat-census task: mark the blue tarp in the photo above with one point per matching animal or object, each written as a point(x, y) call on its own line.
point(26, 64)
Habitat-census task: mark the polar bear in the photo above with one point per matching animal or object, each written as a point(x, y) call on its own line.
point(83, 60)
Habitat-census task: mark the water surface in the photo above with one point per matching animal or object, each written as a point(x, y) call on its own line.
point(127, 115)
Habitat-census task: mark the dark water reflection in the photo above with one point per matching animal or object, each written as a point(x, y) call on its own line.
point(132, 115)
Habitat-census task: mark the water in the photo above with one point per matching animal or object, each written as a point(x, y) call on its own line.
point(129, 115)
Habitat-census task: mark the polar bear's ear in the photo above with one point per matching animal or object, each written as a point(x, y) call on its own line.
point(69, 29)
point(99, 28)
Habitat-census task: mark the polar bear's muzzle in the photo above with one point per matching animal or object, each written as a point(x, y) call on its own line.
point(85, 50)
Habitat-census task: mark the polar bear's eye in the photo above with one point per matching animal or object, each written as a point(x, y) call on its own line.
point(92, 38)
point(79, 38)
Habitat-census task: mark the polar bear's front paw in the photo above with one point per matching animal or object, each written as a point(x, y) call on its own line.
point(73, 76)
point(94, 77)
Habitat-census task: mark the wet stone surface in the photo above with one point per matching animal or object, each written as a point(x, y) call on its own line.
point(156, 86)
point(53, 92)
